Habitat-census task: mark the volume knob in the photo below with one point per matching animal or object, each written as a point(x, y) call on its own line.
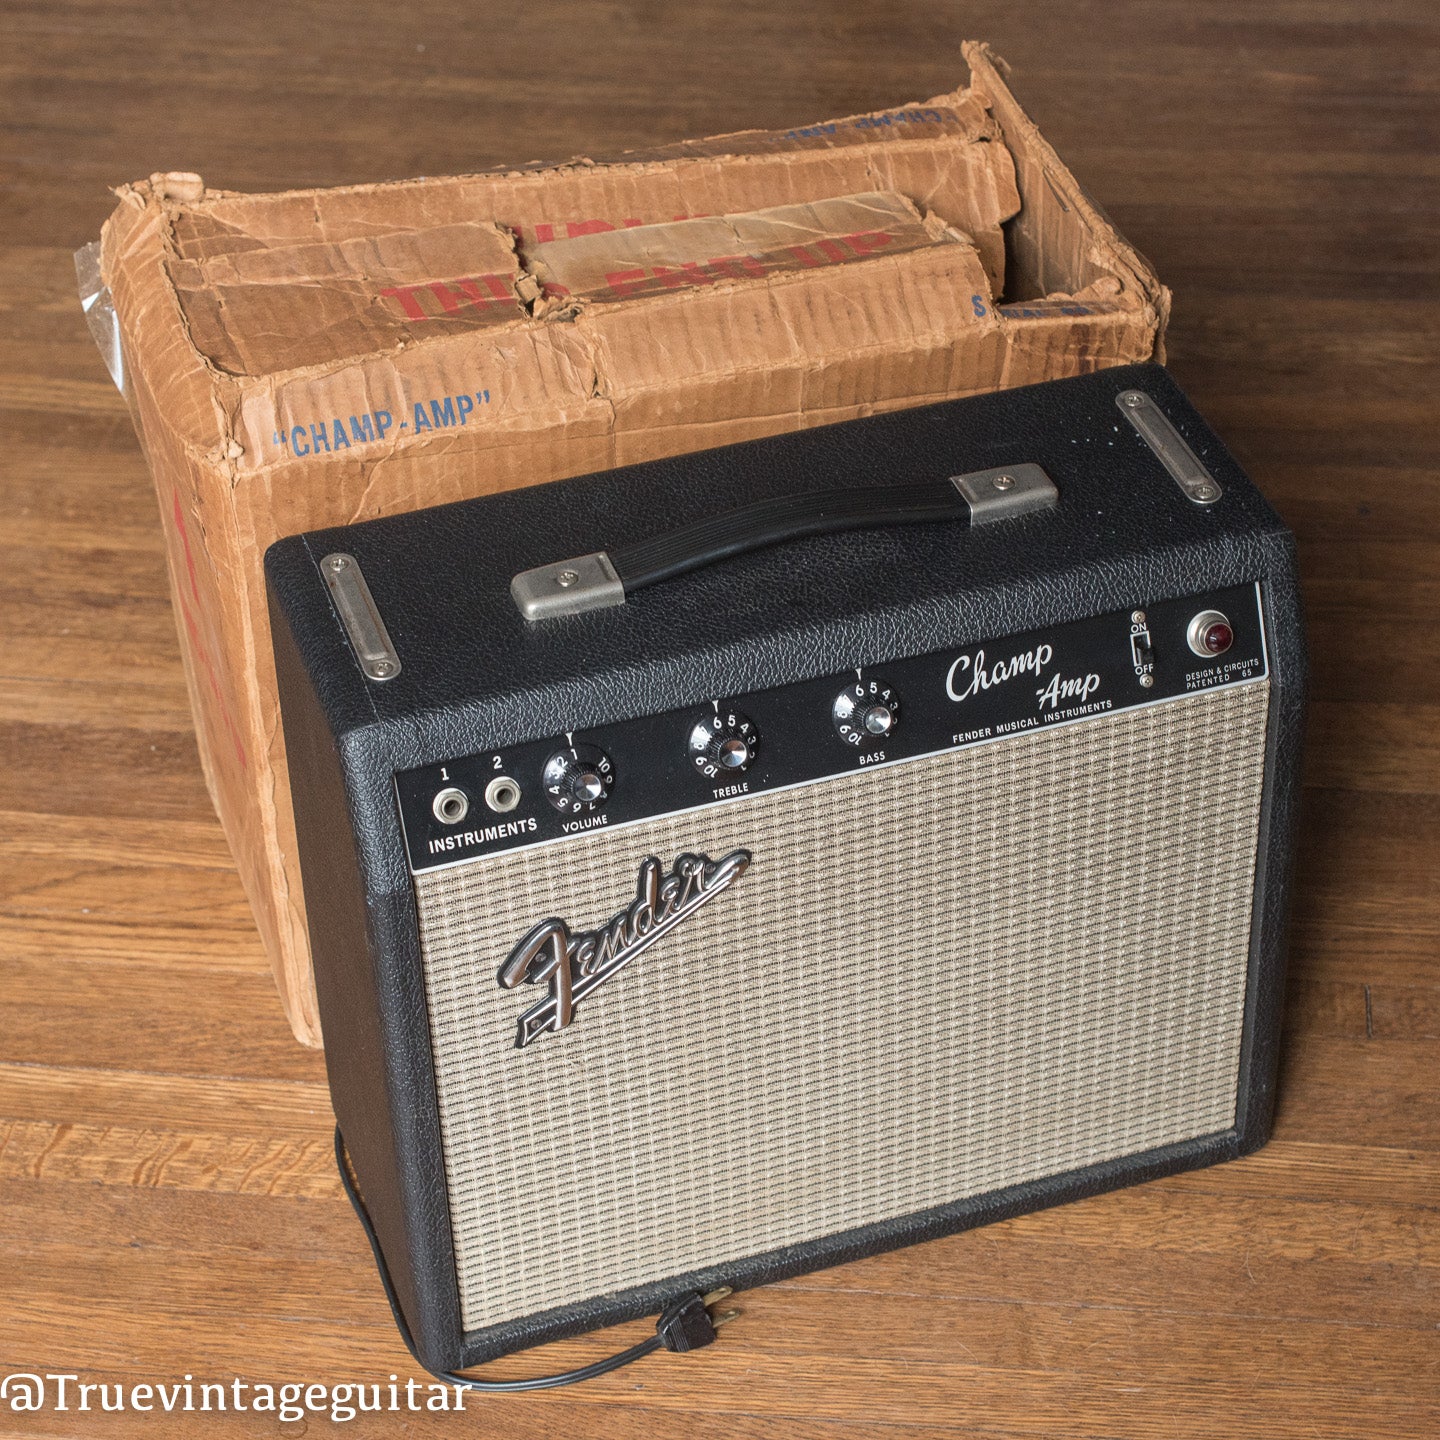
point(723, 744)
point(865, 712)
point(578, 779)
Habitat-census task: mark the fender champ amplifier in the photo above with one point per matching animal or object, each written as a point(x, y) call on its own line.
point(735, 864)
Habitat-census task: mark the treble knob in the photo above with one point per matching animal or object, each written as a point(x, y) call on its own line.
point(865, 712)
point(723, 744)
point(578, 779)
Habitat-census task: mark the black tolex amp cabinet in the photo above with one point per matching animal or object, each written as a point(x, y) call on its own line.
point(736, 864)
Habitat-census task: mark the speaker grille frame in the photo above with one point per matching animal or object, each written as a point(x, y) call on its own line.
point(1183, 777)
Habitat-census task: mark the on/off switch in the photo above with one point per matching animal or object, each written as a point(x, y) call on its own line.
point(1142, 654)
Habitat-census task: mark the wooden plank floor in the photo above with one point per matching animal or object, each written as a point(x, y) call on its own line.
point(167, 1201)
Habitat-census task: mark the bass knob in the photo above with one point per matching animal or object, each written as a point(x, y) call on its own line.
point(866, 712)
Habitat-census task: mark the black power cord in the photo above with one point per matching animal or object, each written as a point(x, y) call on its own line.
point(684, 1324)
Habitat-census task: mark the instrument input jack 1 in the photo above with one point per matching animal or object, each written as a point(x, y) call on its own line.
point(502, 794)
point(451, 806)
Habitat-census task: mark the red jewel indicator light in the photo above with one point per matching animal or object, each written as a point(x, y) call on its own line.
point(1218, 638)
point(1210, 634)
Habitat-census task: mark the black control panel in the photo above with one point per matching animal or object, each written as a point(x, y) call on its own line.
point(877, 715)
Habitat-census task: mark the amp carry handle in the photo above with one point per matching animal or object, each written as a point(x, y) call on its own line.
point(605, 578)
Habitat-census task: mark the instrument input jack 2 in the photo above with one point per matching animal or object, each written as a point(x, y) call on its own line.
point(502, 794)
point(450, 806)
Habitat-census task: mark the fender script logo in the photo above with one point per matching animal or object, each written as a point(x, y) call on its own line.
point(576, 965)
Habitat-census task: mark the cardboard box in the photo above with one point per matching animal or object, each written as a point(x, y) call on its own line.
point(319, 357)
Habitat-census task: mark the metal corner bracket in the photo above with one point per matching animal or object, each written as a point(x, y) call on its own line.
point(1169, 447)
point(356, 607)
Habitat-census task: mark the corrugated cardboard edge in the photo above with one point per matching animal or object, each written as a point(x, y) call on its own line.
point(730, 148)
point(176, 400)
point(1109, 249)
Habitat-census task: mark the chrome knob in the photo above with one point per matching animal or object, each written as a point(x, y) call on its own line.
point(733, 754)
point(865, 712)
point(578, 779)
point(878, 720)
point(587, 787)
point(723, 743)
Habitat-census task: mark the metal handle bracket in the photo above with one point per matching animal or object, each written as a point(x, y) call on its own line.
point(568, 587)
point(1005, 492)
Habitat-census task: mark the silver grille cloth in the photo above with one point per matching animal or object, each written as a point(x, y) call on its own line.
point(935, 980)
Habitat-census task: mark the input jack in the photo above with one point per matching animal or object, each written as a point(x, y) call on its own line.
point(502, 794)
point(451, 806)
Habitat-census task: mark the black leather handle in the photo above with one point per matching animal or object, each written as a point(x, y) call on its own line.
point(787, 517)
point(604, 578)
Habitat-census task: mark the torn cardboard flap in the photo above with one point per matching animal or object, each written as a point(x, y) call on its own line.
point(795, 350)
point(660, 259)
point(269, 284)
point(960, 118)
point(544, 202)
point(261, 309)
point(968, 183)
